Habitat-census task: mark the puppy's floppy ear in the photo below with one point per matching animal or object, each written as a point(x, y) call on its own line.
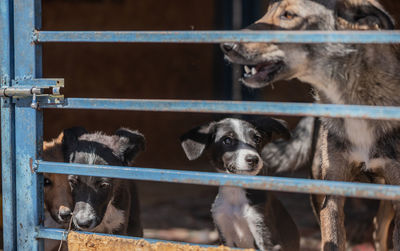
point(195, 141)
point(70, 140)
point(363, 15)
point(269, 125)
point(129, 144)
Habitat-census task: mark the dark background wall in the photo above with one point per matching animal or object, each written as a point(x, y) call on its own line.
point(165, 71)
point(131, 70)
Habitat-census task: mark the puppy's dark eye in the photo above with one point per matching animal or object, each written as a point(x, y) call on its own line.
point(287, 15)
point(257, 139)
point(47, 182)
point(227, 141)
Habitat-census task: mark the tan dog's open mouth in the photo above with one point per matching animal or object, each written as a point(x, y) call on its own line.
point(261, 73)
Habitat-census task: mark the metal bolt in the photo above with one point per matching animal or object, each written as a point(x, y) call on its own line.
point(34, 103)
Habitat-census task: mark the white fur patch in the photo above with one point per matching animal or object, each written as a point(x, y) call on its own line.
point(238, 129)
point(362, 139)
point(84, 214)
point(273, 53)
point(239, 223)
point(325, 85)
point(242, 164)
point(92, 158)
point(333, 94)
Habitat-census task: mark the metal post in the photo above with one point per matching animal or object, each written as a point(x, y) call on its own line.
point(28, 126)
point(237, 23)
point(7, 128)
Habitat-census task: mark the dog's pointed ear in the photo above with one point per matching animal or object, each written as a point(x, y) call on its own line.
point(129, 143)
point(362, 15)
point(195, 141)
point(70, 140)
point(269, 125)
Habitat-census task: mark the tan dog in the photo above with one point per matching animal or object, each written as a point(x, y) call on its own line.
point(57, 192)
point(364, 74)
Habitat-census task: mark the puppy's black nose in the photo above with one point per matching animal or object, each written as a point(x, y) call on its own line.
point(252, 160)
point(227, 47)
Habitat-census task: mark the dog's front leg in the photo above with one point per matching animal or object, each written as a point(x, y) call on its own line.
point(390, 169)
point(334, 166)
point(332, 224)
point(381, 225)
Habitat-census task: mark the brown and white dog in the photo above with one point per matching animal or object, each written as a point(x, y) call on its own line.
point(244, 218)
point(363, 74)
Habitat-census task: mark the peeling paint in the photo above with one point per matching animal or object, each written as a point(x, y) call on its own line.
point(232, 107)
point(217, 36)
point(361, 190)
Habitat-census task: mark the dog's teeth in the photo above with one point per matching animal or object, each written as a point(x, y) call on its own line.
point(247, 69)
point(253, 71)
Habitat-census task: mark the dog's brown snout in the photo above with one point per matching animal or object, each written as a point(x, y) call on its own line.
point(65, 213)
point(227, 47)
point(252, 160)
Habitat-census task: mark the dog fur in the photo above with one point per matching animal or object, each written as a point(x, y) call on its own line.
point(364, 74)
point(244, 218)
point(57, 193)
point(104, 205)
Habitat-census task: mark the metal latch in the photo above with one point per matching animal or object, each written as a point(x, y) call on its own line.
point(41, 90)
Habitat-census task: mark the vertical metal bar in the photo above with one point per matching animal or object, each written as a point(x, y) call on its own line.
point(252, 10)
point(223, 21)
point(237, 23)
point(7, 128)
point(28, 127)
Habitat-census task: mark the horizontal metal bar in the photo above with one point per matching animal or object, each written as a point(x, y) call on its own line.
point(233, 107)
point(218, 36)
point(360, 190)
point(39, 82)
point(30, 87)
point(60, 234)
point(51, 233)
point(20, 92)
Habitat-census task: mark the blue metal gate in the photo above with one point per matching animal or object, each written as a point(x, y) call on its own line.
point(22, 88)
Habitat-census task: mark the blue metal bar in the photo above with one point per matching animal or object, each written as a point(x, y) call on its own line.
point(59, 234)
point(28, 127)
point(218, 36)
point(40, 82)
point(7, 128)
point(277, 108)
point(360, 190)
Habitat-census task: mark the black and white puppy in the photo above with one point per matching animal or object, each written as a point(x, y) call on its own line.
point(104, 205)
point(244, 218)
